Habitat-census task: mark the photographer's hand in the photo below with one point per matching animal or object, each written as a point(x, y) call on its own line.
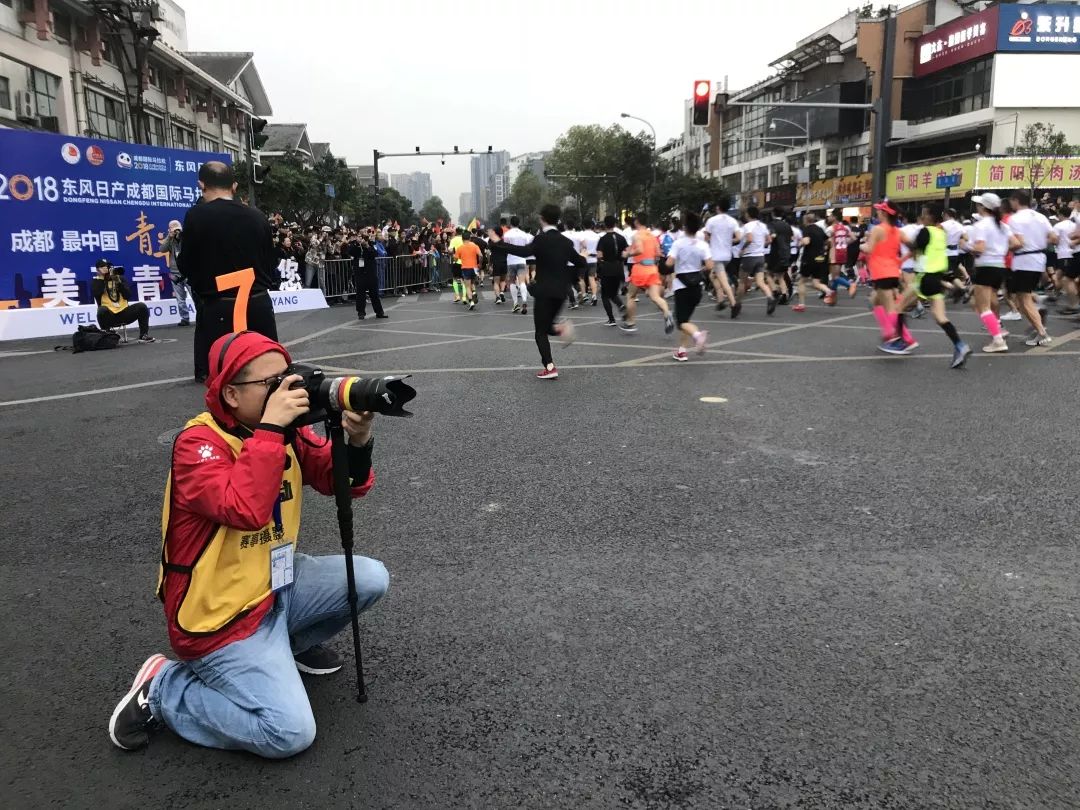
point(286, 404)
point(358, 426)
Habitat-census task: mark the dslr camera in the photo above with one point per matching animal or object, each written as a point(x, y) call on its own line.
point(332, 395)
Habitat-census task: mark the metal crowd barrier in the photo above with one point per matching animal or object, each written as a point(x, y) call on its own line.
point(398, 275)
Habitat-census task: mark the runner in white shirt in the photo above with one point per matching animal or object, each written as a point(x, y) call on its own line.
point(688, 257)
point(571, 233)
point(989, 240)
point(908, 233)
point(1033, 231)
point(1068, 266)
point(722, 231)
point(755, 244)
point(956, 278)
point(517, 270)
point(589, 238)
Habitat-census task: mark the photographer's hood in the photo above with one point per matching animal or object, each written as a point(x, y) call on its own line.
point(228, 355)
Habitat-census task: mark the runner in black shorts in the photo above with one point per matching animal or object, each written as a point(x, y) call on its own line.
point(815, 261)
point(687, 257)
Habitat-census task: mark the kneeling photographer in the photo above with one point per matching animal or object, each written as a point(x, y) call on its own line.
point(112, 295)
point(246, 612)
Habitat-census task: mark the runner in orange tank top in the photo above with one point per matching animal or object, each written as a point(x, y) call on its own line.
point(645, 275)
point(883, 247)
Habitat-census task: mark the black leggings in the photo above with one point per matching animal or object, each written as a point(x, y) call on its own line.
point(128, 315)
point(545, 311)
point(609, 293)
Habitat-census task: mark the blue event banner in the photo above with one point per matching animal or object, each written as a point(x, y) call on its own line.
point(66, 202)
point(1053, 28)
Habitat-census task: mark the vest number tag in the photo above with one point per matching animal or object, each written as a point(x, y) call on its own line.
point(281, 566)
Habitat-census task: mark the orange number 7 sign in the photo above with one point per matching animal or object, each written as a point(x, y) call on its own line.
point(242, 280)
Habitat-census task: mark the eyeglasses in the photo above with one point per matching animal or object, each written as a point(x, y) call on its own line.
point(269, 382)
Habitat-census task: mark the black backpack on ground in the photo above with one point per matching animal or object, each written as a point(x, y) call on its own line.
point(91, 339)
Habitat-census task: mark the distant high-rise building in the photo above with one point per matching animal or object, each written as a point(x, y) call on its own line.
point(465, 205)
point(483, 168)
point(531, 162)
point(365, 176)
point(415, 187)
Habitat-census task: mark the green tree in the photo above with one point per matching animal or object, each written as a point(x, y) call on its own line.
point(526, 195)
point(598, 164)
point(1041, 144)
point(434, 209)
point(675, 193)
point(392, 206)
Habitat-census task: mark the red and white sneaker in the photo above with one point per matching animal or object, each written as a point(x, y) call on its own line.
point(548, 374)
point(132, 721)
point(830, 299)
point(798, 308)
point(700, 339)
point(680, 355)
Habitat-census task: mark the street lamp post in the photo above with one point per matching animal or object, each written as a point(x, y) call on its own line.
point(654, 144)
point(805, 131)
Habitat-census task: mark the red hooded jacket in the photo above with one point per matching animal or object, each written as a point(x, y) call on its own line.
point(211, 489)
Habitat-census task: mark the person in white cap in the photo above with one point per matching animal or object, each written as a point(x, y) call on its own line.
point(171, 246)
point(989, 241)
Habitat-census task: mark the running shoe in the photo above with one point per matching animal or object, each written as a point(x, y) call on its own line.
point(911, 346)
point(798, 308)
point(610, 323)
point(517, 308)
point(147, 339)
point(1063, 311)
point(566, 332)
point(783, 299)
point(669, 324)
point(318, 660)
point(574, 305)
point(680, 355)
point(895, 346)
point(920, 310)
point(960, 355)
point(721, 306)
point(830, 299)
point(132, 721)
point(998, 344)
point(524, 309)
point(472, 306)
point(628, 327)
point(1039, 340)
point(498, 299)
point(1011, 315)
point(770, 306)
point(700, 339)
point(548, 374)
point(735, 310)
point(594, 301)
point(1004, 333)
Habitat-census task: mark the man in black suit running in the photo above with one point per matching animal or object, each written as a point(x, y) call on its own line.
point(557, 264)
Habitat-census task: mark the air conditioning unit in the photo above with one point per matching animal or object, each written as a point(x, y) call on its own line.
point(25, 109)
point(49, 123)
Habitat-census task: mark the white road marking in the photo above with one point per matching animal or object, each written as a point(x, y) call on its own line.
point(111, 390)
point(326, 331)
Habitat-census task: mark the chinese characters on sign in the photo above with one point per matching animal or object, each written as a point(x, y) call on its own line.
point(921, 182)
point(1033, 172)
point(957, 42)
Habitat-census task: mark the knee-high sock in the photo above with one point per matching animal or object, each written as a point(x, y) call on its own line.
point(951, 332)
point(514, 291)
point(457, 288)
point(885, 323)
point(524, 293)
point(901, 328)
point(992, 324)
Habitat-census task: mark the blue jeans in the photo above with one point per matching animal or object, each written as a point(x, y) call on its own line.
point(248, 695)
point(182, 292)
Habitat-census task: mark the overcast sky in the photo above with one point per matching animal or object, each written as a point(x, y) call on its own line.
point(515, 75)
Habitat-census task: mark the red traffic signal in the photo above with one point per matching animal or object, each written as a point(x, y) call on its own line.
point(702, 99)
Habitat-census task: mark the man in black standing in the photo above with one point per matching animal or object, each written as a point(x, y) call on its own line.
point(222, 236)
point(557, 265)
point(365, 279)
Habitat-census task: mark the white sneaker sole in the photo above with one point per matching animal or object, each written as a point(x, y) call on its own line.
point(148, 664)
point(315, 671)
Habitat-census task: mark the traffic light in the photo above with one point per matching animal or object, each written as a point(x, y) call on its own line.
point(257, 138)
point(259, 173)
point(702, 97)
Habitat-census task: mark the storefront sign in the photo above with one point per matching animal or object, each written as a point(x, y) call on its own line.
point(957, 42)
point(783, 196)
point(1039, 29)
point(920, 182)
point(1033, 172)
point(854, 188)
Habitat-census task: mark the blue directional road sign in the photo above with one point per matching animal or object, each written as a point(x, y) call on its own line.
point(948, 180)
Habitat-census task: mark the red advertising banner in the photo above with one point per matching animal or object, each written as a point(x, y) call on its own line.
point(957, 42)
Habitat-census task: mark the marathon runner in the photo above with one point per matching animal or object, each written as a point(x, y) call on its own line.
point(455, 266)
point(815, 261)
point(1032, 231)
point(610, 250)
point(687, 257)
point(589, 239)
point(989, 242)
point(883, 249)
point(516, 267)
point(779, 258)
point(645, 250)
point(468, 253)
point(756, 241)
point(722, 231)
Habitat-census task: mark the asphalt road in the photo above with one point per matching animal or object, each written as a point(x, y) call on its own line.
point(852, 583)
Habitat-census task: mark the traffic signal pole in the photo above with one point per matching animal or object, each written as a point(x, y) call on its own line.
point(416, 153)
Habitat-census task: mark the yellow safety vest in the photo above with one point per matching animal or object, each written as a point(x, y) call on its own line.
point(229, 574)
point(112, 300)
